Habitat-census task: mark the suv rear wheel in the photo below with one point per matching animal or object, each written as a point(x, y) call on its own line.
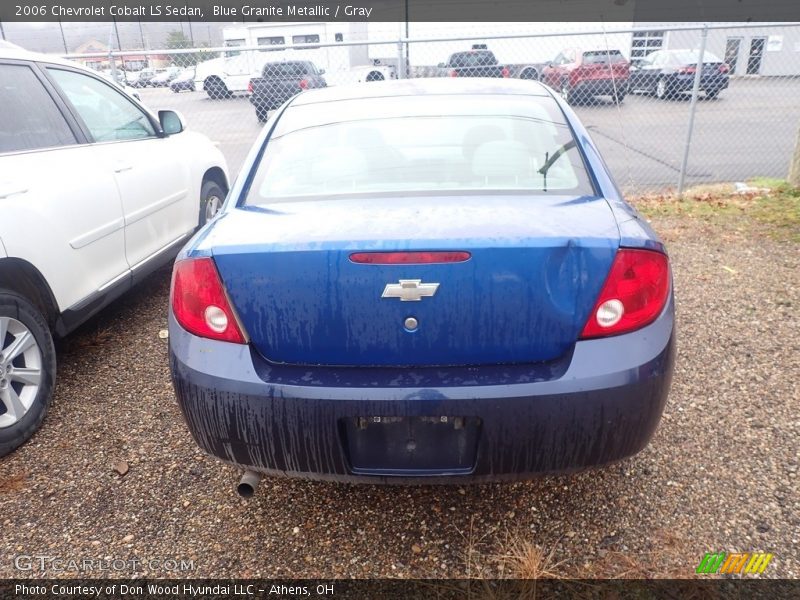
point(27, 370)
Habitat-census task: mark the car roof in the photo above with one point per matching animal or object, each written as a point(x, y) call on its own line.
point(439, 86)
point(9, 50)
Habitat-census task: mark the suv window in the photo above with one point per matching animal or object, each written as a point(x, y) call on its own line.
point(287, 70)
point(108, 114)
point(29, 118)
point(473, 58)
point(603, 57)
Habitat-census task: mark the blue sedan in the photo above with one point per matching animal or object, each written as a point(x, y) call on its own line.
point(418, 281)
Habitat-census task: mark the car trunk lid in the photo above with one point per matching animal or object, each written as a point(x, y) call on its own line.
point(535, 268)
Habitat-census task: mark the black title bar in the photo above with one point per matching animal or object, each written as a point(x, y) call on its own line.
point(251, 11)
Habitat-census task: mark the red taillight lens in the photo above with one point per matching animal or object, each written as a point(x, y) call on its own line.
point(633, 295)
point(724, 68)
point(304, 84)
point(250, 87)
point(453, 73)
point(505, 72)
point(687, 70)
point(408, 258)
point(199, 302)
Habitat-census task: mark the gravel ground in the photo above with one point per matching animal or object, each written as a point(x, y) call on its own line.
point(720, 474)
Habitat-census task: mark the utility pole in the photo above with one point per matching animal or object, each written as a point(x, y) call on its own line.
point(63, 37)
point(116, 31)
point(407, 67)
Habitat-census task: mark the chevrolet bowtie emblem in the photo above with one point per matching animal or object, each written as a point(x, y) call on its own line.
point(409, 290)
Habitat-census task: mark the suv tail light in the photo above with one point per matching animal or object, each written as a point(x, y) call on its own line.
point(199, 302)
point(723, 68)
point(304, 84)
point(250, 87)
point(505, 72)
point(453, 73)
point(633, 295)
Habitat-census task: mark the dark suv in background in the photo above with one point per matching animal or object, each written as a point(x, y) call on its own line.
point(477, 62)
point(280, 81)
point(669, 73)
point(580, 75)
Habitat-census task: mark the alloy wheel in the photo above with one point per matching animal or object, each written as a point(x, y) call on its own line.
point(661, 88)
point(20, 370)
point(213, 204)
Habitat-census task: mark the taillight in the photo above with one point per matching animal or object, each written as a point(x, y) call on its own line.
point(505, 72)
point(687, 70)
point(633, 295)
point(723, 68)
point(199, 302)
point(453, 73)
point(304, 84)
point(250, 87)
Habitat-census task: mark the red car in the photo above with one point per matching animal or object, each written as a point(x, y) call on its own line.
point(583, 74)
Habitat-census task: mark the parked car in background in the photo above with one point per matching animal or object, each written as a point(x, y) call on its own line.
point(119, 82)
point(184, 81)
point(280, 81)
point(477, 62)
point(579, 75)
point(164, 78)
point(422, 279)
point(140, 79)
point(95, 193)
point(670, 73)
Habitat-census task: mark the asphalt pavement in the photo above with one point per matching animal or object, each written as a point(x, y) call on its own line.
point(748, 131)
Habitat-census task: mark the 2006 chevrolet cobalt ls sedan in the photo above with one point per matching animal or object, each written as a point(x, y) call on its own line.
point(423, 280)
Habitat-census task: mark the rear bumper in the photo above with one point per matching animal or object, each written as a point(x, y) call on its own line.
point(601, 87)
point(601, 405)
point(685, 83)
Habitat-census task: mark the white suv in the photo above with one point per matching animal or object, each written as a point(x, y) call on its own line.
point(95, 193)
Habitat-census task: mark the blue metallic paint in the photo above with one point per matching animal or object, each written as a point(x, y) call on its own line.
point(593, 402)
point(536, 270)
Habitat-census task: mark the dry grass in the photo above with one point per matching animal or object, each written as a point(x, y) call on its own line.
point(523, 559)
point(770, 204)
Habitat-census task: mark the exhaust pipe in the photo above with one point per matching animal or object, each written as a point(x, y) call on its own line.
point(248, 484)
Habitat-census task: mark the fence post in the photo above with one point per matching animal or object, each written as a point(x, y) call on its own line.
point(401, 63)
point(692, 109)
point(113, 64)
point(794, 167)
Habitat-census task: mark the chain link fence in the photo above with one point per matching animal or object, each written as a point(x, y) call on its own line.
point(662, 116)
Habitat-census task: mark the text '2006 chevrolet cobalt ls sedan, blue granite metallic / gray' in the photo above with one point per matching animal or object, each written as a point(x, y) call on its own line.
point(422, 281)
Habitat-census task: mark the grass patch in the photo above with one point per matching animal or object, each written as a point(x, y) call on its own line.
point(770, 204)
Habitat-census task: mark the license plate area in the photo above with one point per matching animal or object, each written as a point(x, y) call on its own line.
point(411, 446)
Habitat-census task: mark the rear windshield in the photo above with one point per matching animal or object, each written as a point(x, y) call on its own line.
point(603, 57)
point(474, 58)
point(286, 70)
point(689, 57)
point(380, 146)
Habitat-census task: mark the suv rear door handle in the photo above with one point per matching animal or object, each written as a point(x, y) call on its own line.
point(10, 189)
